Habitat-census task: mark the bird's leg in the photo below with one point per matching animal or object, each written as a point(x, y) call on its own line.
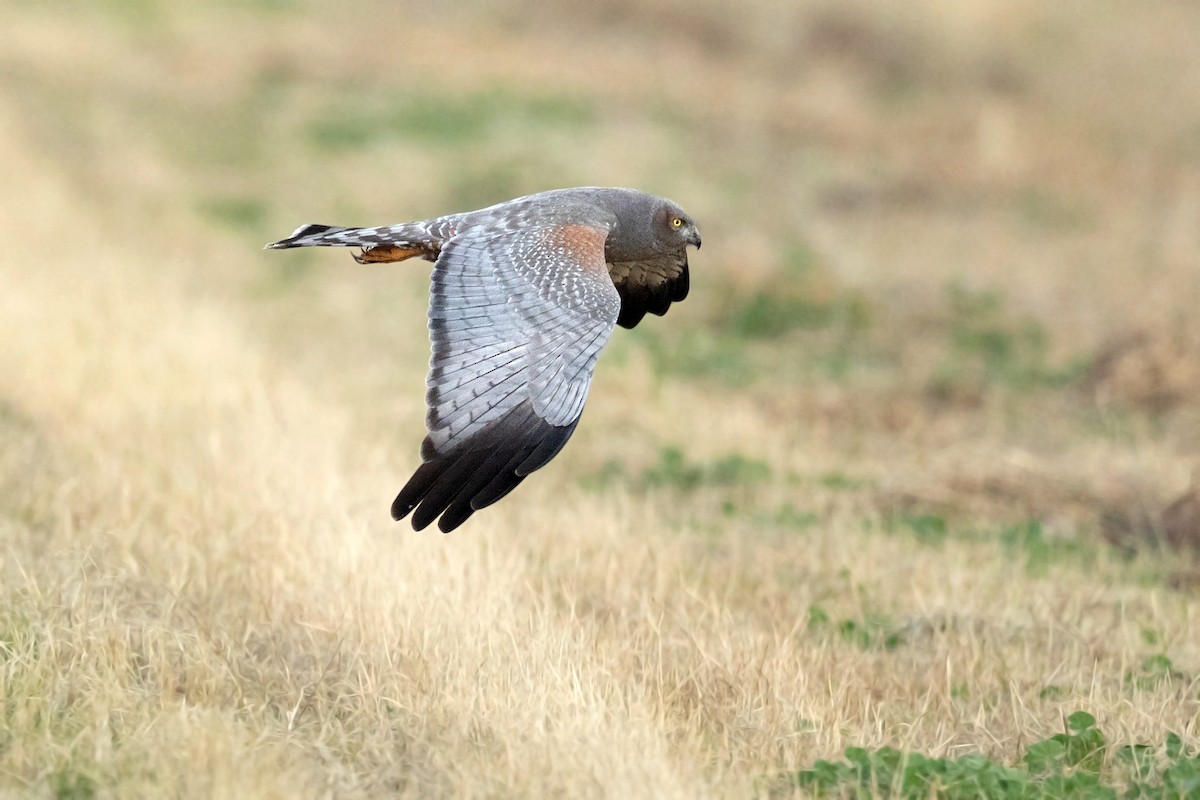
point(383, 253)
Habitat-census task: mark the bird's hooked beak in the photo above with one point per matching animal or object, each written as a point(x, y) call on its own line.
point(692, 236)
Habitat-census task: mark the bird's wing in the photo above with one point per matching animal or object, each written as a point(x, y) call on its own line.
point(650, 285)
point(517, 319)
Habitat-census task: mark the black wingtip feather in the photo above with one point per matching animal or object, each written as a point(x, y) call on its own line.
point(501, 483)
point(416, 488)
point(548, 448)
point(442, 493)
point(479, 472)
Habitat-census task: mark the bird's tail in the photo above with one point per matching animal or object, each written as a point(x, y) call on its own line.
point(382, 244)
point(322, 236)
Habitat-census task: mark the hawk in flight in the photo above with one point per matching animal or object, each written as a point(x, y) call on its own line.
point(524, 296)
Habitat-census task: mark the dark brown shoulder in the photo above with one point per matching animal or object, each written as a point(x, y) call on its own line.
point(649, 285)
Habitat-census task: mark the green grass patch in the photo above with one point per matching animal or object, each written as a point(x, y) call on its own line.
point(697, 353)
point(70, 784)
point(1026, 541)
point(927, 528)
point(728, 483)
point(776, 311)
point(1077, 763)
point(800, 325)
point(843, 482)
point(1154, 671)
point(785, 516)
point(675, 470)
point(765, 315)
point(788, 516)
point(986, 345)
point(1029, 542)
point(873, 632)
point(743, 342)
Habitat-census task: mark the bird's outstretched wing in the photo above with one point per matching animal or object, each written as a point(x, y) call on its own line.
point(517, 318)
point(650, 285)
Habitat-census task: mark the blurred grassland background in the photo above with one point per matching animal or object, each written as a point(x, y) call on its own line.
point(915, 465)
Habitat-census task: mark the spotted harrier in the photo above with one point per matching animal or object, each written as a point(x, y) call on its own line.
point(524, 295)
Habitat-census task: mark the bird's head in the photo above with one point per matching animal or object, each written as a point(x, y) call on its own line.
point(673, 228)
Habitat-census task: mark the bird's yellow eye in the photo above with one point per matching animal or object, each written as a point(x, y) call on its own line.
point(677, 222)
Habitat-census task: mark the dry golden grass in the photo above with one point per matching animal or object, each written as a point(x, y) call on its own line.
point(202, 594)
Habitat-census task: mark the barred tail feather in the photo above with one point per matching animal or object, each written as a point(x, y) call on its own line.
point(316, 236)
point(383, 243)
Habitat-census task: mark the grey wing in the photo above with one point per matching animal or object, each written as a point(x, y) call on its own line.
point(517, 319)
